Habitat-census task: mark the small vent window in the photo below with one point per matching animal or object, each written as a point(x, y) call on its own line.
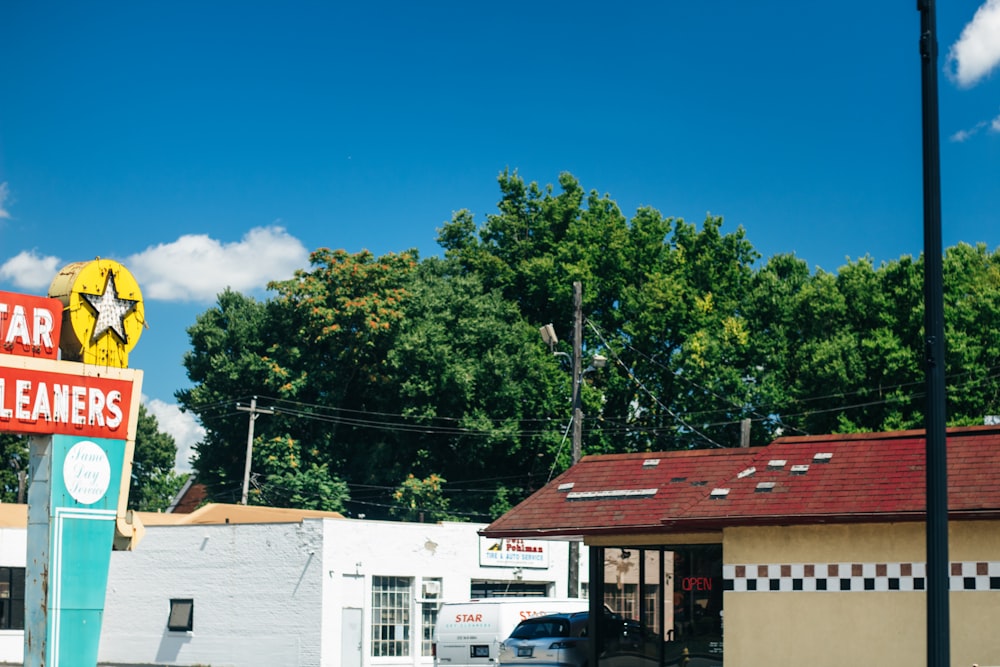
point(800, 470)
point(776, 464)
point(822, 457)
point(749, 472)
point(678, 479)
point(764, 487)
point(566, 487)
point(719, 494)
point(181, 617)
point(650, 463)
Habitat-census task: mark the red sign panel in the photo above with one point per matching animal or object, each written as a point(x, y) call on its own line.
point(30, 325)
point(43, 402)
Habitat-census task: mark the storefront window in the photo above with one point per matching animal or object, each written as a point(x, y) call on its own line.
point(666, 605)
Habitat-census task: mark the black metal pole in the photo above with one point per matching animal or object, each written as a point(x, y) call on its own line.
point(938, 626)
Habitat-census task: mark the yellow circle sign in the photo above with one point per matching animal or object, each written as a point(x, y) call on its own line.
point(103, 314)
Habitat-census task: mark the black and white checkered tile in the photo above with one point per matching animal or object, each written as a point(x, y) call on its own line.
point(854, 577)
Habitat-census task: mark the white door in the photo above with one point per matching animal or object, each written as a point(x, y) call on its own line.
point(350, 637)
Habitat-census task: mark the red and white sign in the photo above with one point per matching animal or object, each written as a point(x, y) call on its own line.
point(39, 401)
point(30, 325)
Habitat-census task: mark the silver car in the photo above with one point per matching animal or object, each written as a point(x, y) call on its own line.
point(555, 640)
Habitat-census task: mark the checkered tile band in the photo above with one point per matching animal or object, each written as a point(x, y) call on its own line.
point(856, 577)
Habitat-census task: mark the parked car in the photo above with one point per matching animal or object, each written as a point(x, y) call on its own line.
point(562, 640)
point(554, 639)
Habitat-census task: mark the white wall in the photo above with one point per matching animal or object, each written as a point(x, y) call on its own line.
point(13, 550)
point(256, 591)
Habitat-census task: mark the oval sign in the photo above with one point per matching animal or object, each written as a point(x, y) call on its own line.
point(86, 472)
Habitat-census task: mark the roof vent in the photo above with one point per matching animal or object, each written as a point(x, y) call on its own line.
point(800, 469)
point(747, 473)
point(699, 483)
point(822, 457)
point(678, 479)
point(566, 487)
point(610, 494)
point(764, 487)
point(650, 463)
point(718, 494)
point(776, 464)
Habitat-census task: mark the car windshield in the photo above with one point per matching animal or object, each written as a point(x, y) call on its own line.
point(541, 627)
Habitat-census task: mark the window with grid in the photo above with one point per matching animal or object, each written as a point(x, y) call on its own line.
point(429, 605)
point(390, 616)
point(11, 598)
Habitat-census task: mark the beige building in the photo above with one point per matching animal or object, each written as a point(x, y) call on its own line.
point(810, 551)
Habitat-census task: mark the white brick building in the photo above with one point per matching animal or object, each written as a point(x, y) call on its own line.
point(294, 589)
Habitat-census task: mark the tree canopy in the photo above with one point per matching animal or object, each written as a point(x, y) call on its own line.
point(385, 376)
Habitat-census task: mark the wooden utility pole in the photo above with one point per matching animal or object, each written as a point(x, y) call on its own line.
point(574, 546)
point(254, 412)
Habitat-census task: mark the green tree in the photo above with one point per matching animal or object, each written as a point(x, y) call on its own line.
point(972, 332)
point(288, 477)
point(227, 364)
point(154, 482)
point(13, 466)
point(473, 372)
point(660, 295)
point(376, 369)
point(421, 500)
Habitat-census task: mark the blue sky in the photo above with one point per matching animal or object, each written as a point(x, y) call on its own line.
point(214, 144)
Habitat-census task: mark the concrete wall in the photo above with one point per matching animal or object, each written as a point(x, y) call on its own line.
point(881, 616)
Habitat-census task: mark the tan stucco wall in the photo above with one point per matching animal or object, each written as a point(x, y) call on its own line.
point(769, 628)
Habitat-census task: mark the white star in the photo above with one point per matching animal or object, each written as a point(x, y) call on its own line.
point(111, 310)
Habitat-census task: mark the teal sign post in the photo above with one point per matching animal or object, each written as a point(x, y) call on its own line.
point(73, 505)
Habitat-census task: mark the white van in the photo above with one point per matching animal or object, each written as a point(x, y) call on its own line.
point(469, 633)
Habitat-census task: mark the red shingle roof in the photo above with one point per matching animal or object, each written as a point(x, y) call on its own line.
point(795, 480)
point(619, 493)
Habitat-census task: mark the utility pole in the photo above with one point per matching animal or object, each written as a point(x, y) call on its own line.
point(577, 370)
point(574, 546)
point(254, 412)
point(938, 608)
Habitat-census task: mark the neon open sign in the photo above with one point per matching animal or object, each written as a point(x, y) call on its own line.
point(696, 583)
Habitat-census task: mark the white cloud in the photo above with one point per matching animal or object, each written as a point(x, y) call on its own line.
point(29, 270)
point(965, 135)
point(197, 268)
point(977, 50)
point(988, 125)
point(182, 426)
point(4, 193)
